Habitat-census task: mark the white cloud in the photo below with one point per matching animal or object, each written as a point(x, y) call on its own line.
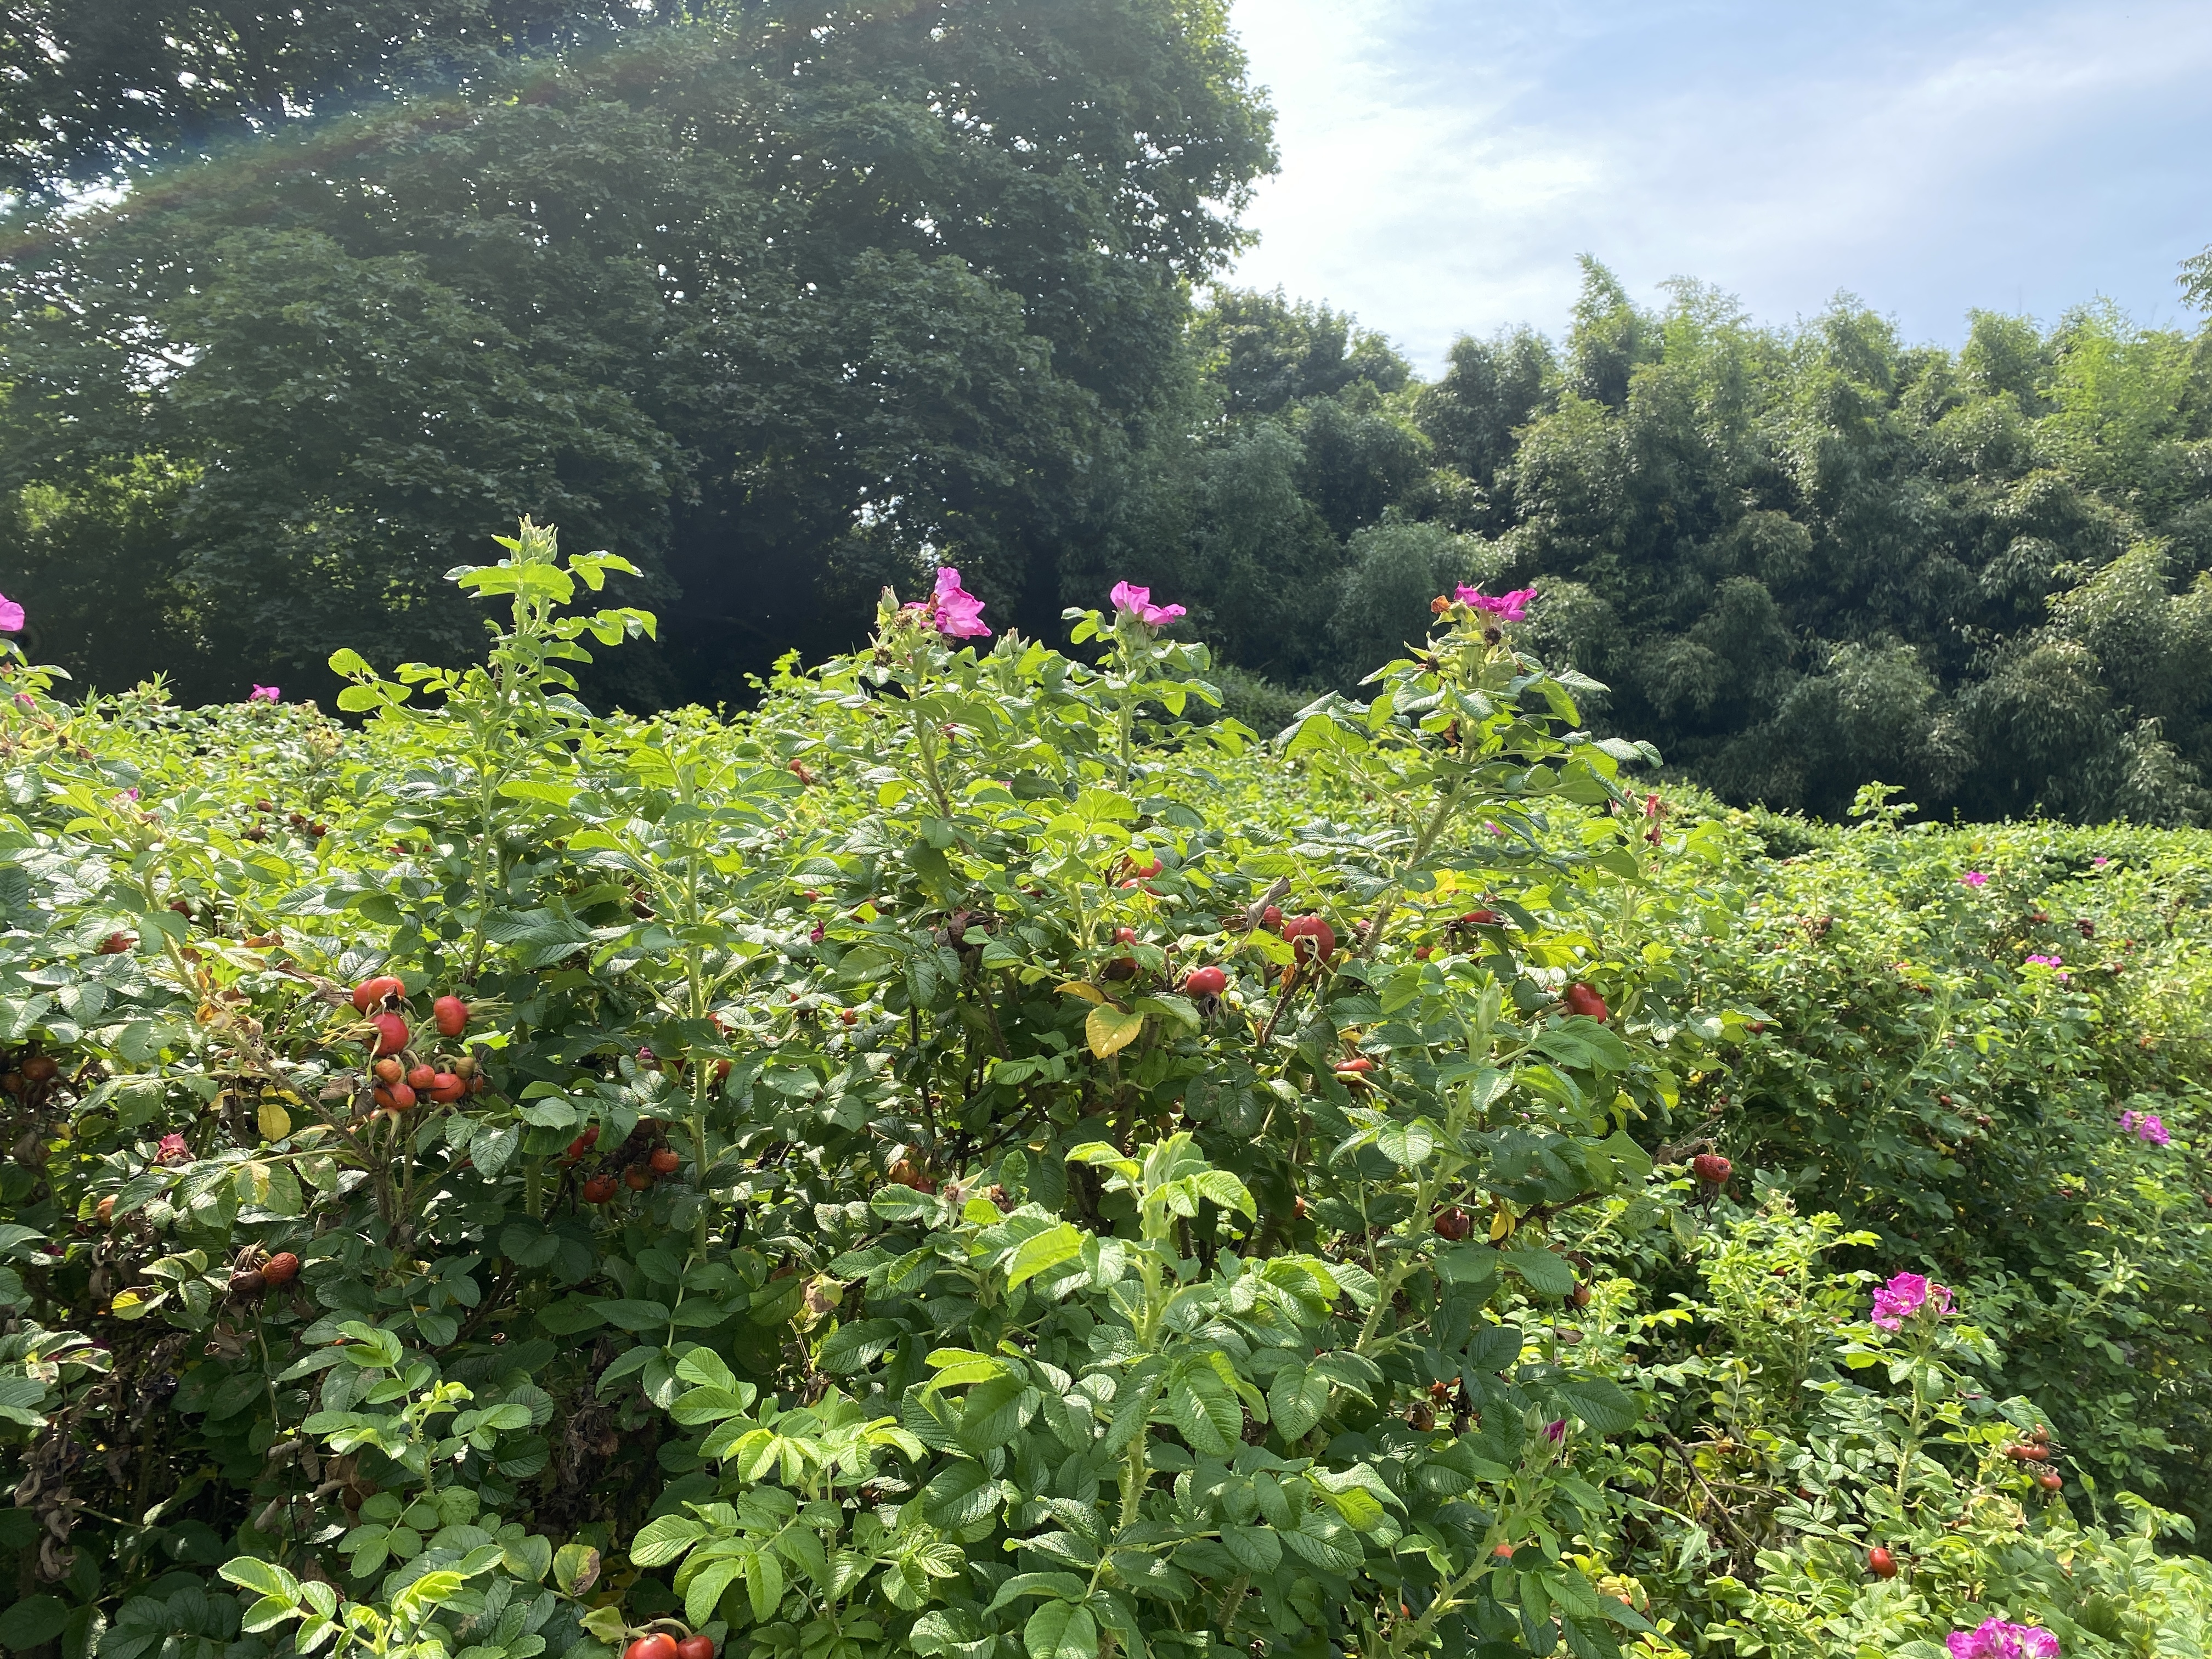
point(1444, 161)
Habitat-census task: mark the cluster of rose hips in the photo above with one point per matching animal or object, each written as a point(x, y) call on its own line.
point(2036, 1448)
point(253, 1280)
point(300, 822)
point(1312, 940)
point(661, 1645)
point(401, 1083)
point(32, 1074)
point(639, 1161)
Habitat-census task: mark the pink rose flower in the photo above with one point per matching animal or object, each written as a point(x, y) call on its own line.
point(174, 1149)
point(1138, 602)
point(956, 613)
point(263, 694)
point(1904, 1297)
point(1993, 1638)
point(11, 615)
point(1506, 607)
point(2145, 1127)
point(1975, 878)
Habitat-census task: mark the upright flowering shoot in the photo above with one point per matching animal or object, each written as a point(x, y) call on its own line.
point(1136, 603)
point(1906, 1296)
point(954, 612)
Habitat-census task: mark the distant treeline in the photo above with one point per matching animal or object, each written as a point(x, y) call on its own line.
point(784, 301)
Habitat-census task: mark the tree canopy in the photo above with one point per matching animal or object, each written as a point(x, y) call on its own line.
point(771, 303)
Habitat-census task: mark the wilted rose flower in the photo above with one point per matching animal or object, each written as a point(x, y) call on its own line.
point(1904, 1297)
point(1138, 602)
point(173, 1151)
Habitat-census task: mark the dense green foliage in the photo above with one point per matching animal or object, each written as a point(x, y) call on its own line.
point(847, 1218)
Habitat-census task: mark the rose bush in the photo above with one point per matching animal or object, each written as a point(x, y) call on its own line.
point(979, 1156)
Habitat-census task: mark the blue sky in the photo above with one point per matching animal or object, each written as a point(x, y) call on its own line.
point(1444, 160)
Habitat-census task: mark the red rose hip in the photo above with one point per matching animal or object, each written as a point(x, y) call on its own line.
point(1881, 1563)
point(1205, 982)
point(1583, 999)
point(1312, 939)
point(371, 992)
point(1711, 1169)
point(452, 1015)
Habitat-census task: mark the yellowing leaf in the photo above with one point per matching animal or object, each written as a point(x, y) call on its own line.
point(1088, 992)
point(1502, 1224)
point(276, 1123)
point(1110, 1029)
point(132, 1305)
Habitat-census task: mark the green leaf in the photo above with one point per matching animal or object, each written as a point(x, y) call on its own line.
point(1047, 1249)
point(1296, 1400)
point(660, 1541)
point(1406, 1144)
point(261, 1577)
point(706, 1588)
point(1601, 1402)
point(1060, 1630)
point(33, 1620)
point(633, 1315)
point(1257, 1549)
point(1209, 1415)
point(959, 1495)
point(1545, 1272)
point(1065, 1585)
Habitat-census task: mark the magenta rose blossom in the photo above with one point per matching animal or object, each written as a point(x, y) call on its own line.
point(263, 694)
point(1904, 1297)
point(11, 615)
point(956, 613)
point(1993, 1638)
point(1506, 607)
point(1138, 602)
point(2145, 1127)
